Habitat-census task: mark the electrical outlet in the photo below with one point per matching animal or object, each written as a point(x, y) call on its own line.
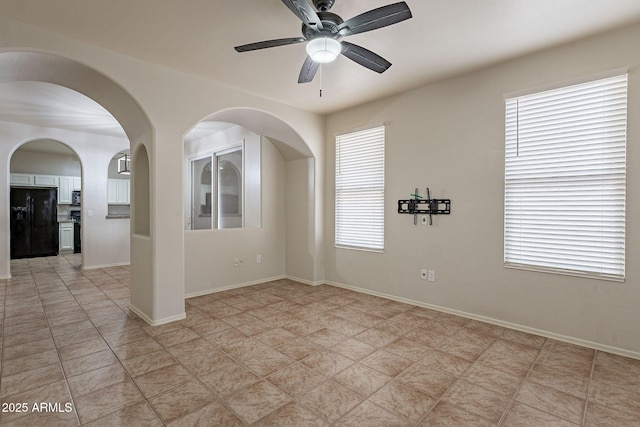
point(425, 220)
point(236, 262)
point(258, 259)
point(423, 274)
point(432, 276)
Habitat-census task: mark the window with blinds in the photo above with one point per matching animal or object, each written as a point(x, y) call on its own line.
point(565, 160)
point(360, 190)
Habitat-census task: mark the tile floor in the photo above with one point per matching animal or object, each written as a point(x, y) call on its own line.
point(284, 354)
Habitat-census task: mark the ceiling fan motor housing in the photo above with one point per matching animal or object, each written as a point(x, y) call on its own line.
point(323, 5)
point(330, 23)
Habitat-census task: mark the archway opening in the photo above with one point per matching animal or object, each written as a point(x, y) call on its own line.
point(42, 113)
point(66, 73)
point(119, 186)
point(248, 194)
point(45, 199)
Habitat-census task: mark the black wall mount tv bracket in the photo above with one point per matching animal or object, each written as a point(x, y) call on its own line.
point(421, 206)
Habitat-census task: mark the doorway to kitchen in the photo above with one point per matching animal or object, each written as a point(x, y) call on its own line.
point(59, 72)
point(45, 200)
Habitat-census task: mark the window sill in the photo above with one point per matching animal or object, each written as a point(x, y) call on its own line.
point(355, 248)
point(561, 272)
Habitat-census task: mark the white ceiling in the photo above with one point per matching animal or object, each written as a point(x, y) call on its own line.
point(48, 105)
point(444, 37)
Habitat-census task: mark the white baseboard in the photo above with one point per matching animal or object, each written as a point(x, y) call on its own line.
point(95, 267)
point(568, 339)
point(159, 321)
point(305, 281)
point(236, 286)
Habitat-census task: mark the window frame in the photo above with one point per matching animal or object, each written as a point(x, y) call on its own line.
point(520, 128)
point(365, 189)
point(214, 156)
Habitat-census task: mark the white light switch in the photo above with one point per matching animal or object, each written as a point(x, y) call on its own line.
point(89, 212)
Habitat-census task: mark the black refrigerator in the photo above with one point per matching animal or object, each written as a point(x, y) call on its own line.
point(34, 222)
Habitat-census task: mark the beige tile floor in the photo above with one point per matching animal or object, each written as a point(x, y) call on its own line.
point(284, 354)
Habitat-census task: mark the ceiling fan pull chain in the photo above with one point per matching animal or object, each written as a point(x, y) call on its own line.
point(320, 69)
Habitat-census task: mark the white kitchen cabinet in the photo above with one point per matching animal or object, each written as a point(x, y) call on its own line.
point(46, 180)
point(112, 191)
point(118, 191)
point(65, 184)
point(29, 179)
point(21, 179)
point(123, 191)
point(66, 236)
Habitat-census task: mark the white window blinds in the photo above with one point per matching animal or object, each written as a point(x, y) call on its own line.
point(360, 190)
point(565, 178)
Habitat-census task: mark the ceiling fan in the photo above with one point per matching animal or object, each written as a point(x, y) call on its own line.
point(324, 32)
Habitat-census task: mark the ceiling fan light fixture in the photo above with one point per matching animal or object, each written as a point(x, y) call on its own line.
point(323, 49)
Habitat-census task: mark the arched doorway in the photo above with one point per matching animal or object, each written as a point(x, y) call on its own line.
point(250, 166)
point(39, 67)
point(45, 183)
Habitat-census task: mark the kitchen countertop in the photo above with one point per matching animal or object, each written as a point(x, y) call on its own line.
point(116, 216)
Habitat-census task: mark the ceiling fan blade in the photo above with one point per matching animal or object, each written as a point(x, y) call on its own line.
point(308, 71)
point(269, 43)
point(305, 12)
point(365, 57)
point(376, 18)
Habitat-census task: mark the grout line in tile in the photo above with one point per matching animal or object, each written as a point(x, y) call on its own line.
point(586, 400)
point(520, 384)
point(439, 399)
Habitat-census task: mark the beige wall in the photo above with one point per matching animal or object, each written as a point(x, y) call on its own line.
point(300, 216)
point(449, 136)
point(24, 161)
